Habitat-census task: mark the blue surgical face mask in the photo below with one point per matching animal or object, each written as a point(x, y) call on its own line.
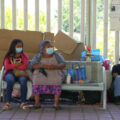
point(49, 50)
point(19, 50)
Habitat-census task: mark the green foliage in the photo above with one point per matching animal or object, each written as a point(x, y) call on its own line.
point(42, 21)
point(111, 46)
point(77, 14)
point(65, 19)
point(8, 18)
point(100, 12)
point(20, 20)
point(111, 43)
point(31, 22)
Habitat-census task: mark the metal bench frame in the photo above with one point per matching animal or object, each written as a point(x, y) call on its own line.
point(96, 86)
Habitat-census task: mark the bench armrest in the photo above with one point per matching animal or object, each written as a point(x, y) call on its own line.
point(1, 78)
point(1, 74)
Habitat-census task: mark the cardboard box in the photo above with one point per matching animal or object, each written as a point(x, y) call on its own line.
point(75, 55)
point(5, 39)
point(64, 43)
point(48, 36)
point(2, 55)
point(31, 41)
point(67, 46)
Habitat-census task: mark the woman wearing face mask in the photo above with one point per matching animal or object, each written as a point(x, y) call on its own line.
point(47, 74)
point(15, 59)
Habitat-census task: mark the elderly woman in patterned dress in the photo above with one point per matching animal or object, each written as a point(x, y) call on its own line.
point(47, 73)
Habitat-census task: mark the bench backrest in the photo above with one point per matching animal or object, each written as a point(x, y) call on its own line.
point(94, 70)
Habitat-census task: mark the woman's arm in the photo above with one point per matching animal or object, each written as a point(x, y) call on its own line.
point(9, 66)
point(34, 63)
point(37, 66)
point(59, 66)
point(25, 61)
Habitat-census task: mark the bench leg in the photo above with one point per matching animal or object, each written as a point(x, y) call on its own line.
point(3, 92)
point(104, 99)
point(0, 95)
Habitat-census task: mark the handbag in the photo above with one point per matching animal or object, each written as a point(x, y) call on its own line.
point(20, 73)
point(76, 74)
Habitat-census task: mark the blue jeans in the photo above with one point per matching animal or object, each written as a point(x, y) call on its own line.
point(11, 79)
point(116, 85)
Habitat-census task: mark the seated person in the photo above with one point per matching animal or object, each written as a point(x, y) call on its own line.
point(47, 75)
point(116, 83)
point(15, 59)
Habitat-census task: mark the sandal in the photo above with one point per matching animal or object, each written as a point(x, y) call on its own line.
point(24, 106)
point(7, 106)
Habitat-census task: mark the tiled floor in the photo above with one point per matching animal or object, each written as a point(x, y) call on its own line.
point(68, 112)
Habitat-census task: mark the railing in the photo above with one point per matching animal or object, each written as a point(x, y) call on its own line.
point(88, 13)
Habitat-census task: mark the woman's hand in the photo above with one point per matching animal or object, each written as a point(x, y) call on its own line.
point(18, 64)
point(61, 66)
point(36, 66)
point(49, 67)
point(52, 67)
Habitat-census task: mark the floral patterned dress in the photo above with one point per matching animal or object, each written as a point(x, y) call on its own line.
point(50, 84)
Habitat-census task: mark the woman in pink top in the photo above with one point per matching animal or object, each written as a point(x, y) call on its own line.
point(15, 59)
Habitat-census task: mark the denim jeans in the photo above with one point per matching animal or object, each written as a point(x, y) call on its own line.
point(116, 85)
point(11, 79)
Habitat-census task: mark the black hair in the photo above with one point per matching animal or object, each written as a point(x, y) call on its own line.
point(12, 50)
point(115, 69)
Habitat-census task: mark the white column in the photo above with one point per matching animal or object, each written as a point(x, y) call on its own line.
point(91, 22)
point(48, 15)
point(2, 14)
point(59, 14)
point(116, 47)
point(87, 21)
point(25, 14)
point(14, 14)
point(82, 20)
point(37, 15)
point(71, 18)
point(94, 25)
point(105, 42)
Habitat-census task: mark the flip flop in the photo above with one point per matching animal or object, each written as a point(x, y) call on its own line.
point(7, 106)
point(24, 106)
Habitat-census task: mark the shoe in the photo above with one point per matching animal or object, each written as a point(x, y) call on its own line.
point(117, 100)
point(24, 106)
